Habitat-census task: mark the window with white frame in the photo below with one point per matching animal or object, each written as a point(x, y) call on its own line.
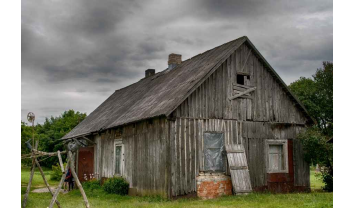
point(277, 156)
point(118, 157)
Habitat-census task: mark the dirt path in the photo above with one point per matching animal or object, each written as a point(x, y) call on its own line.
point(45, 190)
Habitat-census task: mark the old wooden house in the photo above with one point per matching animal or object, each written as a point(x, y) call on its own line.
point(154, 132)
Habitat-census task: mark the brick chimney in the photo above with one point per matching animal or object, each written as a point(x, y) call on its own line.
point(174, 60)
point(149, 72)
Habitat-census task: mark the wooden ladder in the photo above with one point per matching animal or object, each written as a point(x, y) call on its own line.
point(240, 176)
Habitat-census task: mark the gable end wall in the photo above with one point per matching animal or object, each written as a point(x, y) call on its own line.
point(269, 101)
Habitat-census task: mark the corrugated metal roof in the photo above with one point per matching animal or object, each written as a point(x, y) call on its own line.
point(156, 95)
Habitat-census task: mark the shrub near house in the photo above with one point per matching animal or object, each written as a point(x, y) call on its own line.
point(116, 185)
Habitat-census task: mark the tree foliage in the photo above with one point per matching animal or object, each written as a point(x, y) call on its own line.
point(50, 133)
point(316, 94)
point(26, 134)
point(318, 151)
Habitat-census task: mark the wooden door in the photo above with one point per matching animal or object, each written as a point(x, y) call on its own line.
point(85, 163)
point(240, 176)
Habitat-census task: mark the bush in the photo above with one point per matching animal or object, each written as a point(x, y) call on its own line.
point(318, 151)
point(327, 178)
point(91, 185)
point(116, 185)
point(56, 172)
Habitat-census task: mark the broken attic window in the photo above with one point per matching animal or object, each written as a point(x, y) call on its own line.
point(241, 79)
point(213, 151)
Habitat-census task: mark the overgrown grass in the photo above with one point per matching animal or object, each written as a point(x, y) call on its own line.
point(99, 198)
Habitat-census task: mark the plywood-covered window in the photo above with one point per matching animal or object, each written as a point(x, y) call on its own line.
point(118, 157)
point(214, 151)
point(277, 156)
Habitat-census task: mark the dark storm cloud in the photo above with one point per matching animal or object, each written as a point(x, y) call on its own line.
point(260, 9)
point(77, 53)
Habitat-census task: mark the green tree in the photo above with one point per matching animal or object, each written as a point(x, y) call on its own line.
point(26, 134)
point(318, 151)
point(317, 96)
point(50, 133)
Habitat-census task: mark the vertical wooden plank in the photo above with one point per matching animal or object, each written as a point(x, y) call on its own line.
point(195, 154)
point(178, 155)
point(188, 159)
point(174, 157)
point(200, 145)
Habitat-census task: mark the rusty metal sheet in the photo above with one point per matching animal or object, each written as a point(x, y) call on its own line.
point(86, 163)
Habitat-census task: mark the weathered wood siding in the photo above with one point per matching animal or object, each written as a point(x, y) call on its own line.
point(270, 102)
point(145, 155)
point(165, 156)
point(187, 149)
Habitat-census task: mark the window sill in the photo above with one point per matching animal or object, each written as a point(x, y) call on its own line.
point(278, 171)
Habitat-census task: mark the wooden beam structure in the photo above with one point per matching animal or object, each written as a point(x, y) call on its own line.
point(31, 177)
point(45, 181)
point(60, 162)
point(242, 93)
point(54, 198)
point(70, 164)
point(77, 181)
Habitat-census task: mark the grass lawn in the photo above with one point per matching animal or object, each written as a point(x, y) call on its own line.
point(98, 198)
point(315, 180)
point(37, 180)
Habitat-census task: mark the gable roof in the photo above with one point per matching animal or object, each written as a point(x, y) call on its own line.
point(162, 93)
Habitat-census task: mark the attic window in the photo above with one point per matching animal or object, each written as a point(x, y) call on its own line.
point(241, 79)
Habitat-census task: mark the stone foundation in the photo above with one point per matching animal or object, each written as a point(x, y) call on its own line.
point(213, 185)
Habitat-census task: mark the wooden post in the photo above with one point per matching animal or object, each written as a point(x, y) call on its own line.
point(61, 181)
point(60, 162)
point(72, 168)
point(45, 181)
point(29, 184)
point(31, 177)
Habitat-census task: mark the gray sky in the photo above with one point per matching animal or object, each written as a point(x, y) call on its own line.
point(77, 53)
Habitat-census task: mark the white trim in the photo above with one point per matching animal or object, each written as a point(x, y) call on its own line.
point(118, 142)
point(283, 142)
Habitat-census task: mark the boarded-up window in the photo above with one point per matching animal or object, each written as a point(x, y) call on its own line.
point(213, 151)
point(277, 156)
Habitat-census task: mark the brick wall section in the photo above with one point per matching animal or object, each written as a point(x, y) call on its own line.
point(174, 59)
point(212, 186)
